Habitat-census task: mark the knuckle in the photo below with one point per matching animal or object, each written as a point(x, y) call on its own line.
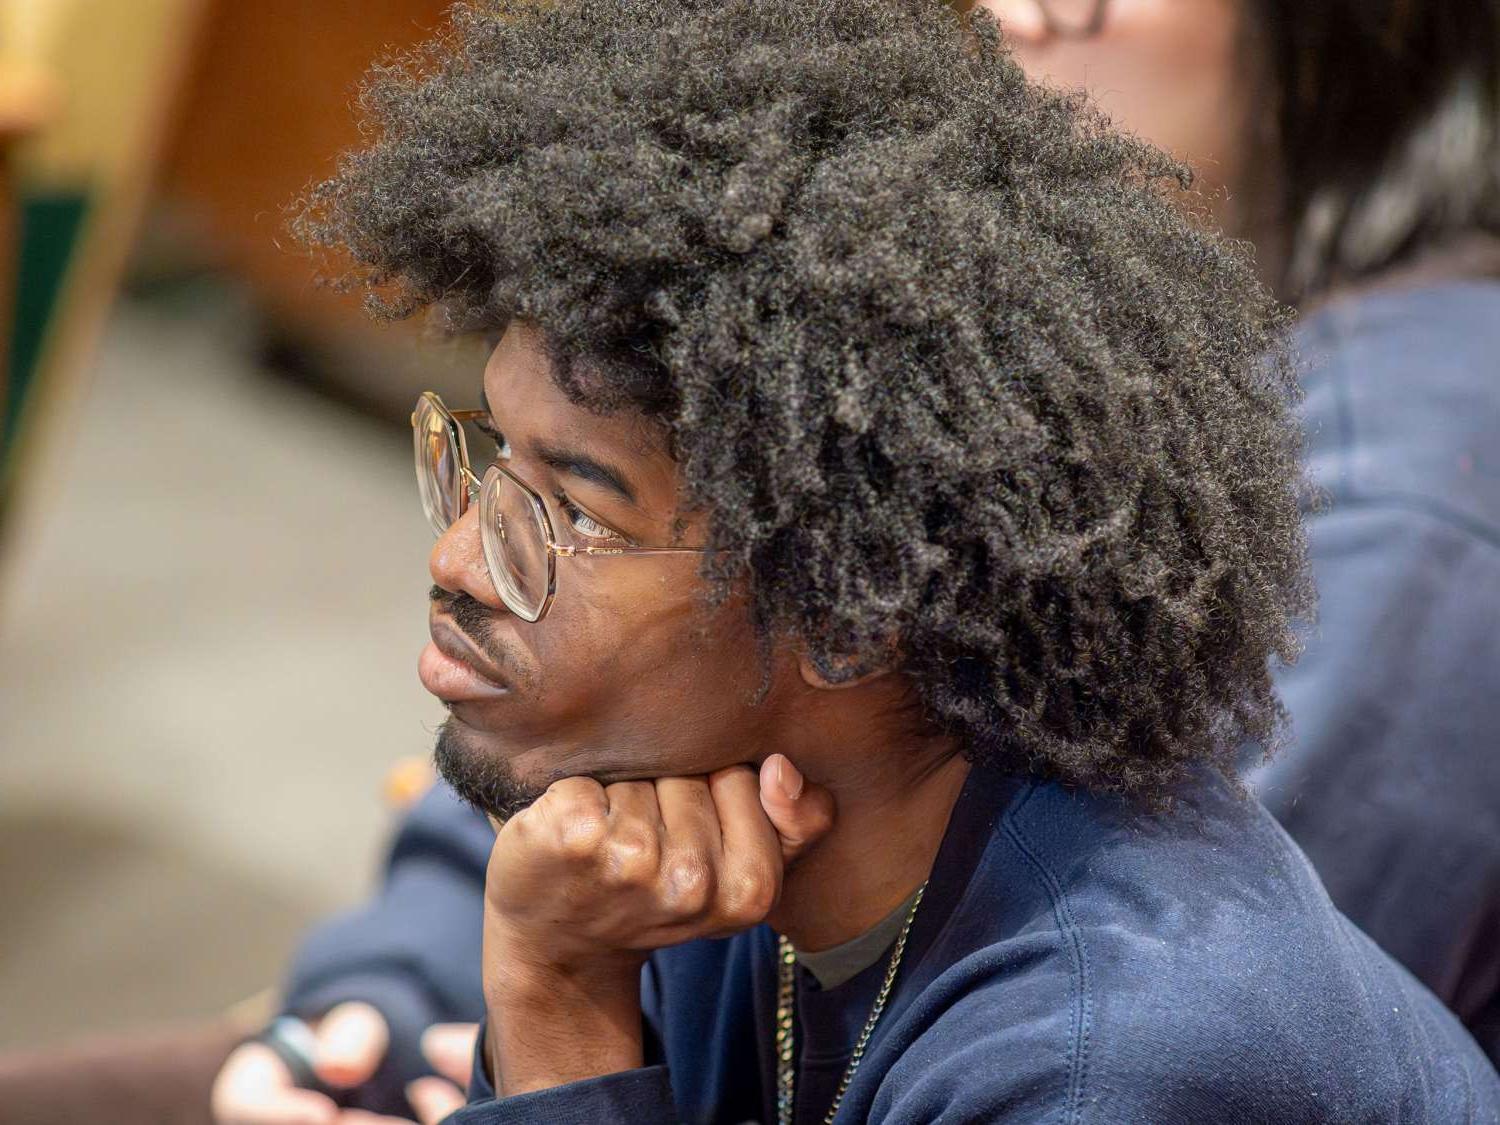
point(575, 788)
point(749, 895)
point(632, 855)
point(689, 884)
point(579, 836)
point(574, 795)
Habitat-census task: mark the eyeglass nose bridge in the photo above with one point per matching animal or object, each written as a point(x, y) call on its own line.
point(1055, 26)
point(472, 487)
point(1085, 27)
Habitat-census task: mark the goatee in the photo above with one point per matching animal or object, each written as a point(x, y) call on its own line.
point(483, 780)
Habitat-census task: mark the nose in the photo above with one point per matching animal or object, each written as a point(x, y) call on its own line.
point(457, 561)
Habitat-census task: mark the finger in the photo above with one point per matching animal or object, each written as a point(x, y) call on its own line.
point(434, 1099)
point(751, 865)
point(693, 846)
point(633, 800)
point(576, 792)
point(449, 1047)
point(633, 849)
point(255, 1088)
point(352, 1039)
point(801, 810)
point(688, 813)
point(572, 803)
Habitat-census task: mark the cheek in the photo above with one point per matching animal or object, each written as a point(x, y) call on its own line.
point(1163, 70)
point(642, 660)
point(622, 627)
point(578, 647)
point(1187, 99)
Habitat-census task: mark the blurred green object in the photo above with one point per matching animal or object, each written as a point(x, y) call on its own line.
point(94, 85)
point(49, 223)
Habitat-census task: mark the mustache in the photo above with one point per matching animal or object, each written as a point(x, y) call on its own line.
point(476, 621)
point(470, 615)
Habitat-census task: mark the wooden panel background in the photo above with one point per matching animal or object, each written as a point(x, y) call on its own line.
point(267, 109)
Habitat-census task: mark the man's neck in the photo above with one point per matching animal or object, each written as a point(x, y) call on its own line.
point(886, 834)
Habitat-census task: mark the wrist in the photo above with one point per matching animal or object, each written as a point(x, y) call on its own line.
point(554, 1022)
point(529, 969)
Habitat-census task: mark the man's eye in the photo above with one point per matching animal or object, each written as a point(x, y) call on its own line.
point(502, 447)
point(582, 522)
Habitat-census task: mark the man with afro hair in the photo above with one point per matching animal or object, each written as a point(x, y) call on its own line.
point(864, 560)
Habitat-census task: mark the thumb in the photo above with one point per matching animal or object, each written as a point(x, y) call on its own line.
point(449, 1047)
point(800, 810)
point(352, 1039)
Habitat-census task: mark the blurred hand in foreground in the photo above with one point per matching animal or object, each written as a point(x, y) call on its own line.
point(255, 1087)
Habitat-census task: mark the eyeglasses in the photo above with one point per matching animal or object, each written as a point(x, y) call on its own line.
point(515, 529)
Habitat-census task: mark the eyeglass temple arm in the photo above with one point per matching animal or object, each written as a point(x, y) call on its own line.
point(469, 415)
point(572, 552)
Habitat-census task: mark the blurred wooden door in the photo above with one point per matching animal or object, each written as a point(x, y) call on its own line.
point(267, 109)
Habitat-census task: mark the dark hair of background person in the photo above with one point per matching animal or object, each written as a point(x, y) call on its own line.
point(939, 355)
point(1378, 125)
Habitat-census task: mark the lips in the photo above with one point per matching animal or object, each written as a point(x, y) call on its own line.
point(452, 670)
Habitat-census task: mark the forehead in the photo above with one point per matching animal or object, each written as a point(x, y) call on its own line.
point(526, 402)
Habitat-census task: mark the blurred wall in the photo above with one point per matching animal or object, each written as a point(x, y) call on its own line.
point(211, 618)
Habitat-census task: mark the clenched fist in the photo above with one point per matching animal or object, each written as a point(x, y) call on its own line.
point(590, 879)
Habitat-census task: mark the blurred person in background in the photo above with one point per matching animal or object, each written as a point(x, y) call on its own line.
point(1355, 141)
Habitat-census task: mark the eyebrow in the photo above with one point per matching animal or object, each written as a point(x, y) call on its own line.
point(584, 467)
point(564, 460)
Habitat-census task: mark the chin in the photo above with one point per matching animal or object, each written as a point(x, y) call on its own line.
point(483, 777)
point(500, 774)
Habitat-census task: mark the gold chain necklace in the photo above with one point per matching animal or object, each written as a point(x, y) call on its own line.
point(786, 1018)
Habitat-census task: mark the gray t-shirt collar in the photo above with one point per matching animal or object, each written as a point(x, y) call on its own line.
point(832, 967)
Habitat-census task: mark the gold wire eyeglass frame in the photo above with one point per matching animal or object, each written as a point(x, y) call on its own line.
point(487, 491)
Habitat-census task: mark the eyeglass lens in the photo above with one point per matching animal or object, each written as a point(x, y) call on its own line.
point(514, 535)
point(439, 474)
point(513, 530)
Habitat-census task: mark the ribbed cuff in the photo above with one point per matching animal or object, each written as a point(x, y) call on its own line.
point(629, 1097)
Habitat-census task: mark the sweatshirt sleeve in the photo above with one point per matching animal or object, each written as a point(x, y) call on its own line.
point(638, 1097)
point(629, 1097)
point(413, 950)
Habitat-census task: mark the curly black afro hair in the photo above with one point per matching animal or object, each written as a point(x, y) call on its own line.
point(938, 350)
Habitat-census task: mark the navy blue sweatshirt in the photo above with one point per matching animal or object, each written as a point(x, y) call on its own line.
point(1071, 961)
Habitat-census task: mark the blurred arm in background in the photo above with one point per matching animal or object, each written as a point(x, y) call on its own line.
point(412, 953)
